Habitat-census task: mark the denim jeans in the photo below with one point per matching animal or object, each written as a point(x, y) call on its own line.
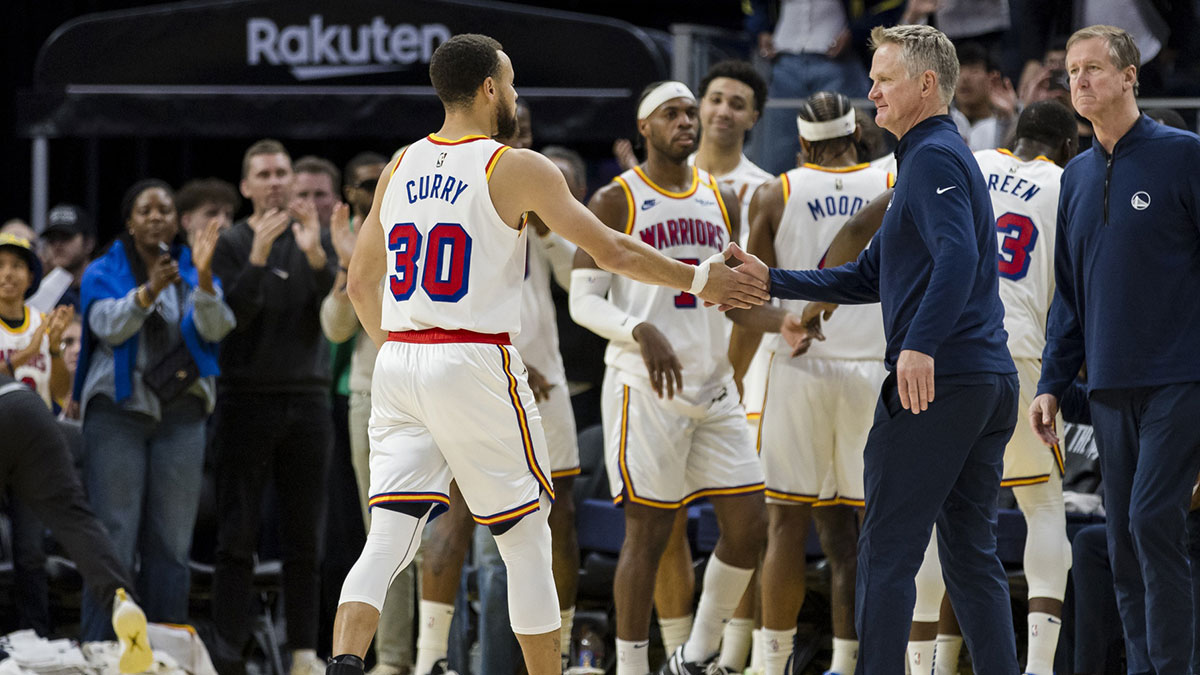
point(800, 76)
point(143, 480)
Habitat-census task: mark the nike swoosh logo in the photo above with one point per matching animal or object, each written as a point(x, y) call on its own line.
point(946, 189)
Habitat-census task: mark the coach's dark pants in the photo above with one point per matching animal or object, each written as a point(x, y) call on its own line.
point(285, 438)
point(38, 468)
point(1149, 442)
point(942, 465)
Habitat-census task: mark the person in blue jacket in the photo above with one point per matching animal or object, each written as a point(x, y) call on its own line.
point(935, 452)
point(1127, 267)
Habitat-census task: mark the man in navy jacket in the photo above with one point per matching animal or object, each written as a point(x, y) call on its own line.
point(936, 450)
point(1127, 267)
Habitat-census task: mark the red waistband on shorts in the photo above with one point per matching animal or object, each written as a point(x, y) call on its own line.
point(433, 336)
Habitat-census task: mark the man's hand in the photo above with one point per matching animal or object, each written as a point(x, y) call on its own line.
point(914, 380)
point(1041, 418)
point(307, 231)
point(538, 383)
point(742, 287)
point(22, 356)
point(666, 373)
point(813, 314)
point(1003, 97)
point(267, 229)
point(57, 323)
point(343, 236)
point(797, 334)
point(766, 45)
point(623, 152)
point(839, 44)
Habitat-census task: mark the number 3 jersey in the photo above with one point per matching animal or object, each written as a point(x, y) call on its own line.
point(34, 373)
point(688, 226)
point(452, 262)
point(1025, 202)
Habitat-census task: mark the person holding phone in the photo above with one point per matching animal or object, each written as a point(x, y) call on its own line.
point(152, 314)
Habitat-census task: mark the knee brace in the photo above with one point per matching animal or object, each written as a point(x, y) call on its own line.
point(391, 545)
point(930, 585)
point(1047, 551)
point(532, 599)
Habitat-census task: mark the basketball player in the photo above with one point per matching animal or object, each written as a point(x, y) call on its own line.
point(1024, 186)
point(674, 429)
point(538, 346)
point(817, 412)
point(732, 95)
point(449, 399)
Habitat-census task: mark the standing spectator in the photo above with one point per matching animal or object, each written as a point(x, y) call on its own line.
point(200, 201)
point(393, 641)
point(69, 238)
point(812, 45)
point(30, 347)
point(146, 382)
point(273, 414)
point(984, 102)
point(318, 181)
point(1128, 240)
point(983, 21)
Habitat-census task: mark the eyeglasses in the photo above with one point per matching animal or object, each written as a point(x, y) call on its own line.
point(368, 184)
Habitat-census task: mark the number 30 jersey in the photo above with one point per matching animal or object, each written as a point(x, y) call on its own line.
point(1025, 202)
point(452, 262)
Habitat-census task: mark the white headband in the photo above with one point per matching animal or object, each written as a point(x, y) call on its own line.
point(661, 94)
point(823, 131)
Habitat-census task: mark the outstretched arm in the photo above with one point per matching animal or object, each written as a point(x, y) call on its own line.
point(526, 181)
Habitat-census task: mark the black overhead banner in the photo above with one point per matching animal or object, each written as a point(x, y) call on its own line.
point(312, 68)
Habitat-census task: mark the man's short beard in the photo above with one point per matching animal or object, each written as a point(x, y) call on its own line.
point(506, 123)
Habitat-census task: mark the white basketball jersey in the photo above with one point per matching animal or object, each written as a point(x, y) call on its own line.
point(1025, 201)
point(538, 343)
point(817, 202)
point(452, 262)
point(743, 180)
point(35, 373)
point(688, 226)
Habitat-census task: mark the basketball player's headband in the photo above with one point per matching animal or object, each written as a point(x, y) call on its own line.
point(823, 131)
point(661, 94)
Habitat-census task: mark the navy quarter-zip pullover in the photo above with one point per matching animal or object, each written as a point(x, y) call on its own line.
point(1127, 264)
point(933, 263)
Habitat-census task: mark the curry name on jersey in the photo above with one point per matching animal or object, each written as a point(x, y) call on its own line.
point(1025, 200)
point(453, 263)
point(688, 226)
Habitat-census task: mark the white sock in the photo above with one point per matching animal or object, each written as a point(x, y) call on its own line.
point(946, 654)
point(777, 647)
point(845, 656)
point(433, 639)
point(735, 643)
point(920, 656)
point(564, 633)
point(723, 589)
point(674, 632)
point(1043, 640)
point(633, 657)
point(756, 649)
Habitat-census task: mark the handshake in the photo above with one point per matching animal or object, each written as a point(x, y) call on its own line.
point(738, 287)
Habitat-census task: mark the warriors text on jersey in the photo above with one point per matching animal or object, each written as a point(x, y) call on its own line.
point(817, 202)
point(36, 371)
point(688, 226)
point(452, 262)
point(1025, 202)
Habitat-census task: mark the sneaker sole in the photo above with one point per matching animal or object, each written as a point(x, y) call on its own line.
point(136, 655)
